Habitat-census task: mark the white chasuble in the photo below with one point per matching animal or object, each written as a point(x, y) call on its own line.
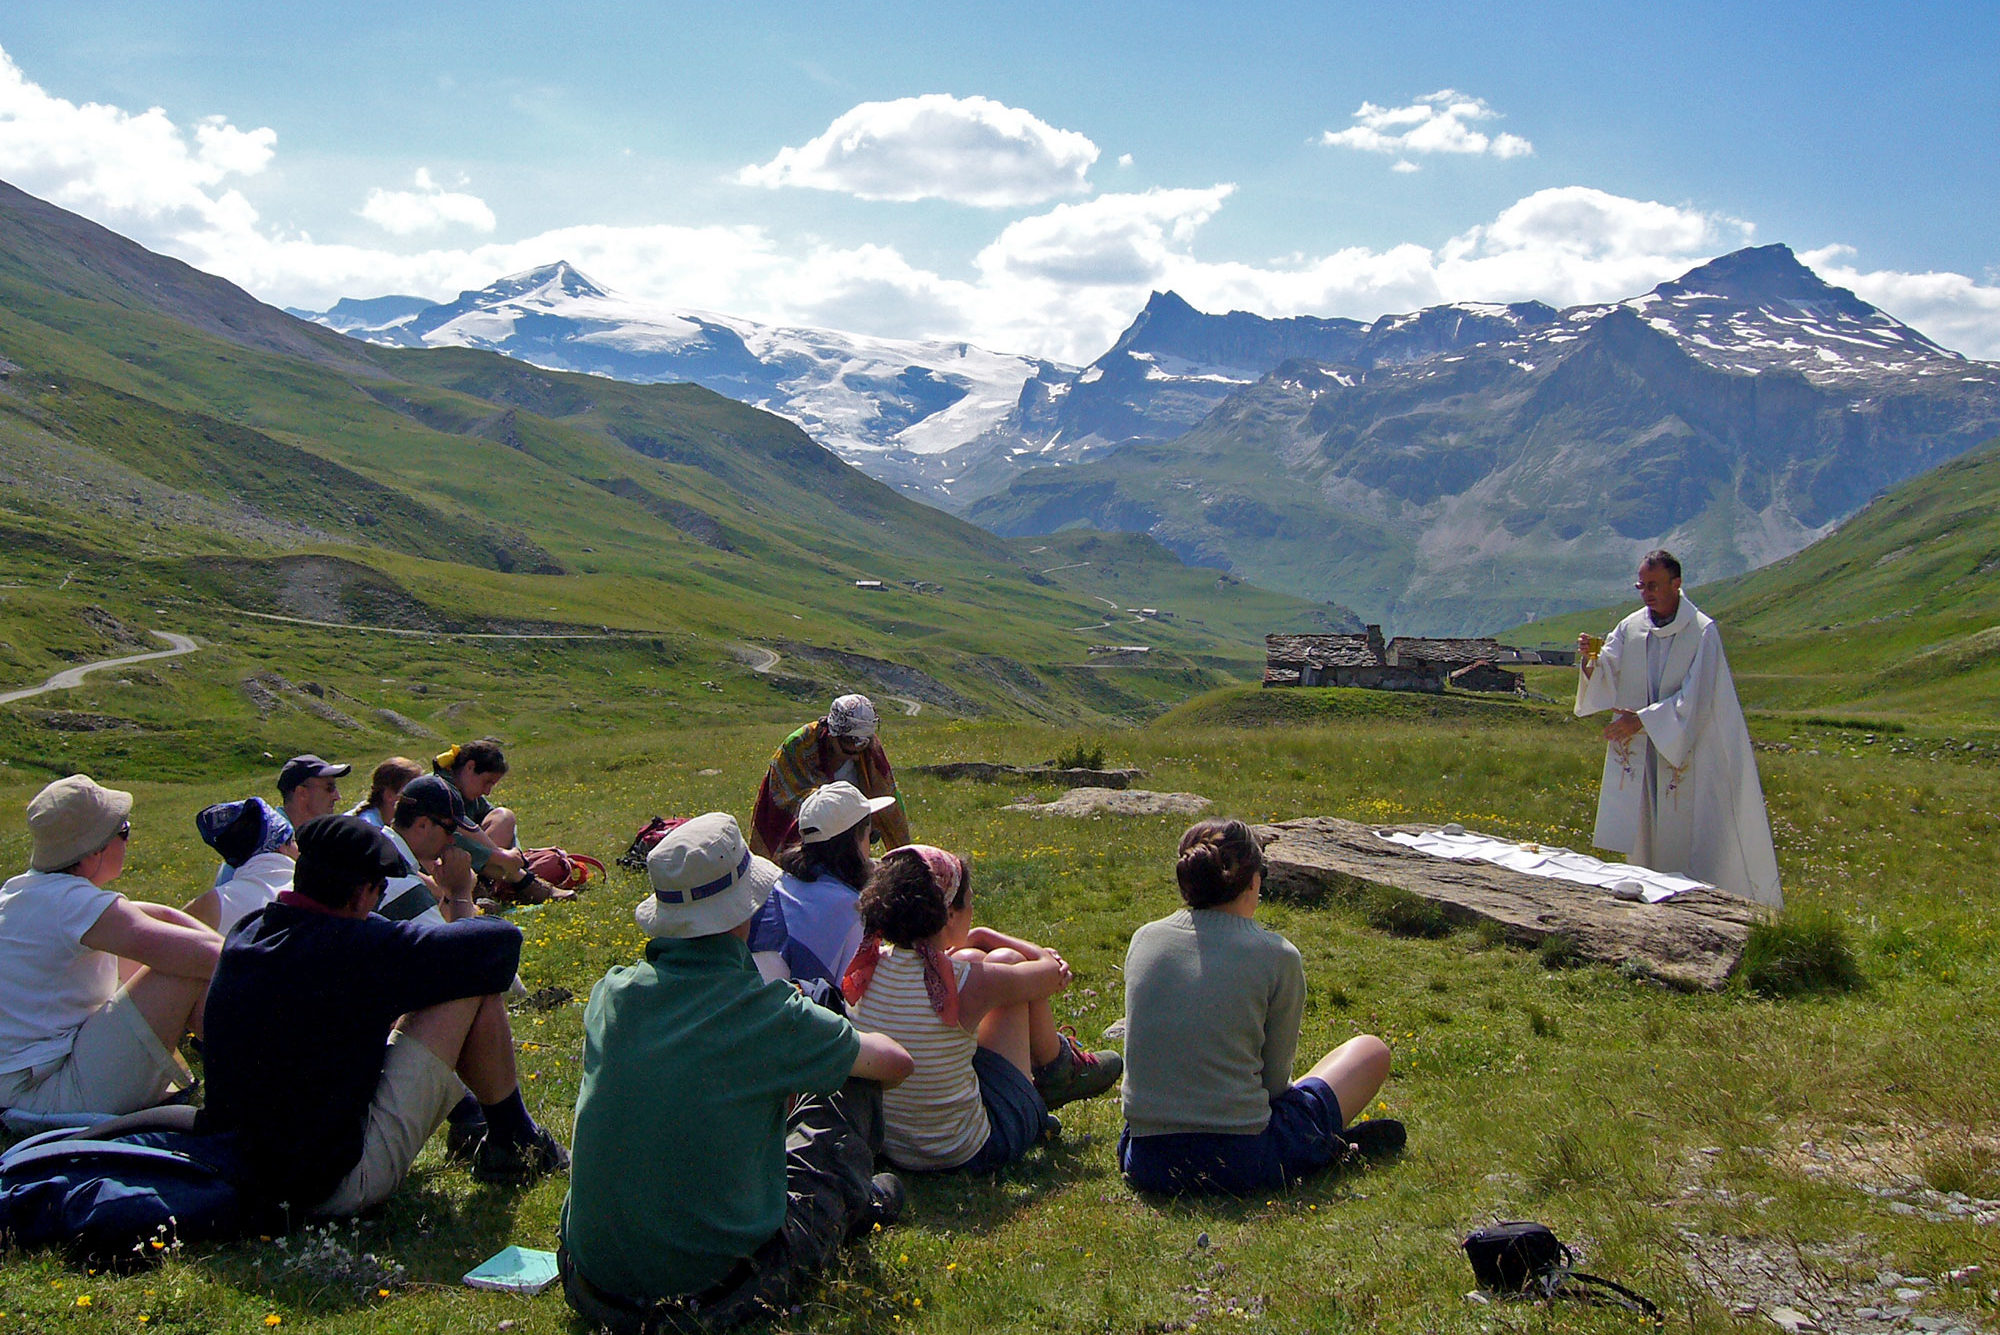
point(1683, 795)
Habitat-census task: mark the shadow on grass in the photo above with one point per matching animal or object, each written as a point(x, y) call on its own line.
point(1328, 1185)
point(425, 1234)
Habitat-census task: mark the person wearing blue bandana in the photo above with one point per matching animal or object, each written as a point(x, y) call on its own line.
point(257, 845)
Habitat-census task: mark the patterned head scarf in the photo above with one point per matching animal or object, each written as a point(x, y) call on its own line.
point(946, 869)
point(852, 716)
point(240, 831)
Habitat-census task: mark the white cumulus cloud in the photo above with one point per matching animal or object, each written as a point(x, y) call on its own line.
point(138, 171)
point(970, 150)
point(428, 208)
point(1441, 122)
point(1950, 308)
point(1061, 282)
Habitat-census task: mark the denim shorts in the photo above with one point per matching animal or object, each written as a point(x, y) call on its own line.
point(1302, 1137)
point(1014, 1112)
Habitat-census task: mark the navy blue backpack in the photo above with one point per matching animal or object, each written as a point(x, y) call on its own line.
point(110, 1193)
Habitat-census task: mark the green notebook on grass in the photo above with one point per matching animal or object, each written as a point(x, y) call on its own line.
point(514, 1270)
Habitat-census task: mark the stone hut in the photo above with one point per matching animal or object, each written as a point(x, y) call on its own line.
point(1486, 676)
point(1346, 660)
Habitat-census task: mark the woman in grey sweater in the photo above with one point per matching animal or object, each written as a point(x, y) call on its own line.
point(1212, 1005)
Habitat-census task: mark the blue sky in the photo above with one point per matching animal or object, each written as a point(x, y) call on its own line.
point(773, 161)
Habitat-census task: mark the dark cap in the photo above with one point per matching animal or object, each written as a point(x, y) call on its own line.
point(338, 853)
point(300, 768)
point(431, 796)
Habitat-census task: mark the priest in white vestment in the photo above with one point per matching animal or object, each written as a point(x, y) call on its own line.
point(1680, 791)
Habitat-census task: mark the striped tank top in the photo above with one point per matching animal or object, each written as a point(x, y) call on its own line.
point(935, 1119)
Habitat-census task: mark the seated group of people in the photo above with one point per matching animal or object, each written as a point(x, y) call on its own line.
point(346, 991)
point(791, 1027)
point(482, 865)
point(908, 1035)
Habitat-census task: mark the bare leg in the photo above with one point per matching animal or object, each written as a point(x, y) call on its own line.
point(1354, 1071)
point(442, 1028)
point(500, 827)
point(1006, 1031)
point(474, 1036)
point(206, 908)
point(1043, 1040)
point(171, 1006)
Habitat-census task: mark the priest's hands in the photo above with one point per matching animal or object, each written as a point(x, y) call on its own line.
point(1624, 726)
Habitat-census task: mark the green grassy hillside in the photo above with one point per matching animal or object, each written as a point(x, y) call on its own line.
point(174, 455)
point(1895, 615)
point(1144, 593)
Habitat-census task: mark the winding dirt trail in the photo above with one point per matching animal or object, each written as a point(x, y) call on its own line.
point(71, 677)
point(764, 661)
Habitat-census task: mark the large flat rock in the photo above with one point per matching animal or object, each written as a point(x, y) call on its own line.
point(1693, 941)
point(1115, 802)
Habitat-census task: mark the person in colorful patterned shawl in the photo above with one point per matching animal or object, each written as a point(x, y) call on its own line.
point(842, 746)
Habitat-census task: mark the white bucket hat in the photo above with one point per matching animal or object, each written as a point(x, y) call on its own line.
point(832, 809)
point(705, 880)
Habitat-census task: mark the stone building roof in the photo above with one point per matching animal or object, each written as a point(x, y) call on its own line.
point(1323, 651)
point(1411, 648)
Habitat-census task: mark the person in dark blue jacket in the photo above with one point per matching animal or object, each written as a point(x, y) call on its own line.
point(337, 1040)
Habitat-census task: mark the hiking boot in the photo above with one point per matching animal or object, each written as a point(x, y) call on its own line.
point(462, 1141)
point(531, 889)
point(516, 1163)
point(1376, 1138)
point(1076, 1073)
point(886, 1199)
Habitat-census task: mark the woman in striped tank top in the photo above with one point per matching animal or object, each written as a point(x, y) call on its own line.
point(972, 1007)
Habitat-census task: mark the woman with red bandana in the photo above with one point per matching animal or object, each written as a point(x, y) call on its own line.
point(972, 1008)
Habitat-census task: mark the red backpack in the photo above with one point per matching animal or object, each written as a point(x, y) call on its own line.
point(654, 830)
point(563, 870)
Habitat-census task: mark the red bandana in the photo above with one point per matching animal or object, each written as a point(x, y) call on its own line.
point(940, 980)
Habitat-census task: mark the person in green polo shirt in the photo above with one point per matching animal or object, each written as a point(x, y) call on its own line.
point(692, 1193)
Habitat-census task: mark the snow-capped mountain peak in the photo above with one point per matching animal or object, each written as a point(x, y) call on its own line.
point(548, 283)
point(1760, 310)
point(880, 403)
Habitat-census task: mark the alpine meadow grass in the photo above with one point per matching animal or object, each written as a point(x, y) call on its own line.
point(1665, 1135)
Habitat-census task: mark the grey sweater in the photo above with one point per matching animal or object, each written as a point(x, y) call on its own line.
point(1212, 1004)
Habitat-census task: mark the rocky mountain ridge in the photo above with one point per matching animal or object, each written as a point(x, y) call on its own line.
point(1734, 414)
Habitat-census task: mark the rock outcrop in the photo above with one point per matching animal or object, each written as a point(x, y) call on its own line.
point(1693, 941)
point(987, 771)
point(1116, 802)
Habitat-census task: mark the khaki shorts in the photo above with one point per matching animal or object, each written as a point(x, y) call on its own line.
point(116, 1065)
point(415, 1092)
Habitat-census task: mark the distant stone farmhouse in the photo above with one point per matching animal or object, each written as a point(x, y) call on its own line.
point(1406, 663)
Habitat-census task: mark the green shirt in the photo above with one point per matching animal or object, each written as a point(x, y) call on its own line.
point(1212, 1006)
point(690, 1061)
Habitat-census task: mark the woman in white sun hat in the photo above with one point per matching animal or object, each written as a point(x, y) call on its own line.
point(809, 928)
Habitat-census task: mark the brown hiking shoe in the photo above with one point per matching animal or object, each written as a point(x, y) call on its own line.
point(531, 890)
point(1076, 1073)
